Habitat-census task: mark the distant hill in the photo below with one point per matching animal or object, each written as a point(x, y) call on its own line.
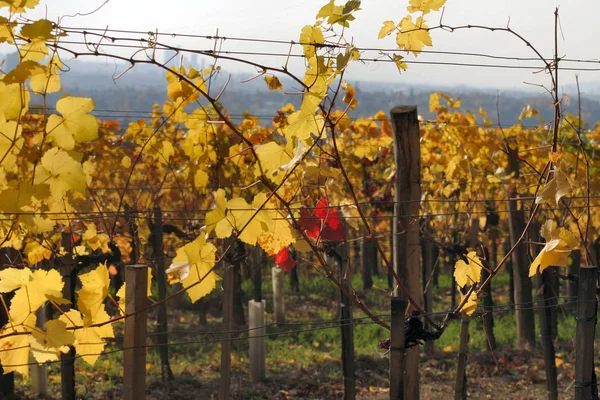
point(132, 95)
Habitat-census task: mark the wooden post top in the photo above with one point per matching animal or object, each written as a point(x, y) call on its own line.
point(403, 109)
point(136, 266)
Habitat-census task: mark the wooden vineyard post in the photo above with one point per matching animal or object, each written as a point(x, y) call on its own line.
point(460, 389)
point(67, 360)
point(162, 326)
point(278, 298)
point(339, 261)
point(488, 301)
point(428, 263)
point(257, 351)
point(39, 373)
point(573, 271)
point(407, 198)
point(225, 369)
point(134, 355)
point(587, 308)
point(544, 311)
point(397, 348)
point(368, 259)
point(522, 281)
point(347, 329)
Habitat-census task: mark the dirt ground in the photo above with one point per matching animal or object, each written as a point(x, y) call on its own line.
point(504, 375)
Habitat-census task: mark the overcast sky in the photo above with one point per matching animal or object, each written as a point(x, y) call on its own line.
point(283, 20)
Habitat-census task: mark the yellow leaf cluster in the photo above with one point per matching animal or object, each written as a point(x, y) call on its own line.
point(559, 244)
point(559, 186)
point(192, 266)
point(467, 274)
point(273, 82)
point(75, 125)
point(413, 36)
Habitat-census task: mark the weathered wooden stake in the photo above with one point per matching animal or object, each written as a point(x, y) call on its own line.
point(368, 259)
point(347, 329)
point(225, 369)
point(573, 271)
point(397, 348)
point(278, 294)
point(134, 355)
point(257, 351)
point(460, 389)
point(162, 326)
point(544, 306)
point(427, 248)
point(587, 309)
point(39, 373)
point(67, 360)
point(488, 301)
point(407, 198)
point(522, 281)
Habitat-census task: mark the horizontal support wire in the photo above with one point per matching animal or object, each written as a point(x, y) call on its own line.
point(331, 324)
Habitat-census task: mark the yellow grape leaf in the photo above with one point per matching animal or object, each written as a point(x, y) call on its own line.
point(61, 172)
point(14, 354)
point(559, 186)
point(14, 100)
point(40, 29)
point(18, 6)
point(412, 37)
point(95, 240)
point(298, 154)
point(468, 274)
point(193, 264)
point(559, 244)
point(425, 6)
point(30, 295)
point(559, 361)
point(304, 122)
point(200, 179)
point(317, 78)
point(448, 349)
point(22, 195)
point(470, 305)
point(37, 252)
point(46, 345)
point(241, 215)
point(126, 162)
point(75, 125)
point(349, 95)
point(94, 289)
point(401, 65)
point(388, 27)
point(179, 89)
point(36, 50)
point(7, 33)
point(89, 341)
point(310, 38)
point(22, 72)
point(273, 83)
point(339, 14)
point(48, 81)
point(271, 157)
point(554, 253)
point(10, 141)
point(13, 278)
point(215, 219)
point(167, 151)
point(279, 235)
